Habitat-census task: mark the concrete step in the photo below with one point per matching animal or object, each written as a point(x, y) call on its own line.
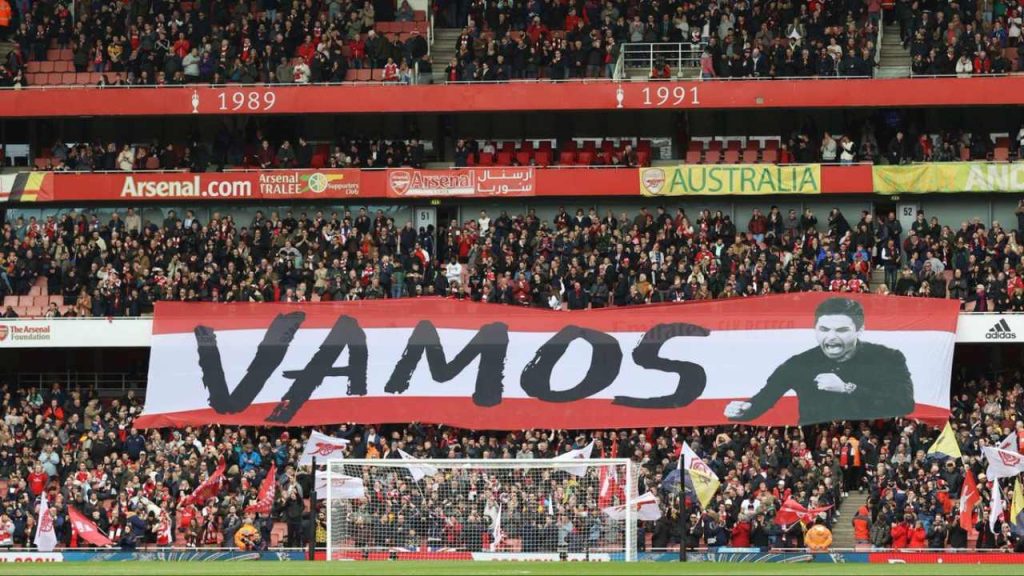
point(842, 532)
point(892, 72)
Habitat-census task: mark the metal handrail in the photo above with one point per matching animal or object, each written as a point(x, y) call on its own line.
point(678, 55)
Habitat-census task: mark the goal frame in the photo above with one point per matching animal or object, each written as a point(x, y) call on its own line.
point(629, 539)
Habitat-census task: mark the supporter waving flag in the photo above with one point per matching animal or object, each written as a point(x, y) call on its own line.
point(209, 487)
point(86, 530)
point(265, 500)
point(322, 446)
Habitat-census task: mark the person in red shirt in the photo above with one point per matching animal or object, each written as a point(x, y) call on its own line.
point(740, 537)
point(307, 49)
point(571, 19)
point(391, 71)
point(918, 536)
point(37, 481)
point(54, 411)
point(900, 532)
point(182, 46)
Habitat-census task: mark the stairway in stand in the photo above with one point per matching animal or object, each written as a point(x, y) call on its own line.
point(842, 532)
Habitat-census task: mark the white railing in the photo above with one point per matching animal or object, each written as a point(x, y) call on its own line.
point(678, 55)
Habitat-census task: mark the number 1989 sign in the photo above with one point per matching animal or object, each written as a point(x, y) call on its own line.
point(238, 100)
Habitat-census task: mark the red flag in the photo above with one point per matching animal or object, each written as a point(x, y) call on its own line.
point(610, 488)
point(969, 498)
point(792, 511)
point(163, 529)
point(208, 489)
point(265, 500)
point(86, 529)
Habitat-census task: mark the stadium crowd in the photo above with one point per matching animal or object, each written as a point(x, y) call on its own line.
point(233, 149)
point(84, 451)
point(122, 265)
point(182, 42)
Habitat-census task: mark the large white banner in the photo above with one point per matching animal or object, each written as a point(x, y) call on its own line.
point(772, 361)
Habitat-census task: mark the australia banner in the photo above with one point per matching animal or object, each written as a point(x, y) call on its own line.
point(773, 360)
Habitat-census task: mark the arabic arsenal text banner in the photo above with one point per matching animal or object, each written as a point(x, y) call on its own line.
point(774, 360)
point(462, 182)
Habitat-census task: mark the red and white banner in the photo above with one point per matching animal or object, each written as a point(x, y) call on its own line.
point(792, 511)
point(86, 529)
point(198, 187)
point(484, 182)
point(265, 499)
point(322, 446)
point(208, 488)
point(775, 360)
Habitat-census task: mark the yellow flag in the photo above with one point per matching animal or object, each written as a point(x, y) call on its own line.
point(1017, 509)
point(705, 481)
point(946, 444)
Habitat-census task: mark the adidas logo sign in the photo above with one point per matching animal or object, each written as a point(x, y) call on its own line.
point(1000, 331)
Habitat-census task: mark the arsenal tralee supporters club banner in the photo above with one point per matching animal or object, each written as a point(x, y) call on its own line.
point(459, 182)
point(169, 186)
point(773, 360)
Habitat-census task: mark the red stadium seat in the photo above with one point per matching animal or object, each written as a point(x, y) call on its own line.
point(643, 157)
point(53, 54)
point(567, 157)
point(419, 15)
point(486, 159)
point(770, 154)
point(63, 66)
point(363, 75)
point(714, 152)
point(32, 67)
point(732, 153)
point(83, 78)
point(542, 157)
point(585, 157)
point(66, 54)
point(503, 158)
point(523, 156)
point(750, 152)
point(53, 79)
point(68, 78)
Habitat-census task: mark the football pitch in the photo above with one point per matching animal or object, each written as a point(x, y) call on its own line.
point(496, 568)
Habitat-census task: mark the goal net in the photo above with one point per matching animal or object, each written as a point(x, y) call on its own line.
point(480, 509)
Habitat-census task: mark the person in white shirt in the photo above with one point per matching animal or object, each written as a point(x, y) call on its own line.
point(828, 148)
point(846, 150)
point(485, 222)
point(453, 271)
point(300, 74)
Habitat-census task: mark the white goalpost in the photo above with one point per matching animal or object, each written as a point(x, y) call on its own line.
point(477, 509)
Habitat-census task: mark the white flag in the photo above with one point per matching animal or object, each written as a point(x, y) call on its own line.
point(1009, 443)
point(322, 446)
point(577, 454)
point(997, 506)
point(496, 533)
point(1002, 463)
point(418, 471)
point(344, 487)
point(46, 538)
point(646, 507)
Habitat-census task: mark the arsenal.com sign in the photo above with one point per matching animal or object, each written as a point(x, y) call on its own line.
point(215, 186)
point(507, 181)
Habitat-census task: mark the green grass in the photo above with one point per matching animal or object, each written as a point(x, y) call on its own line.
point(496, 568)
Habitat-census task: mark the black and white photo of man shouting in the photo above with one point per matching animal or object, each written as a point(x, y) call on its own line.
point(842, 378)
